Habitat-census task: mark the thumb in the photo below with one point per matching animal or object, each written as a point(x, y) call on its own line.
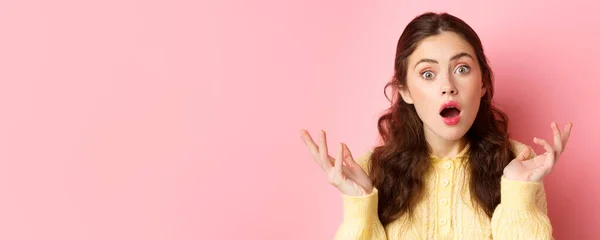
point(523, 154)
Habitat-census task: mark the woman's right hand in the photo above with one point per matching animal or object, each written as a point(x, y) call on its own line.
point(342, 172)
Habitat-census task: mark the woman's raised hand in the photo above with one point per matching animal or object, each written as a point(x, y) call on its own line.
point(535, 169)
point(342, 172)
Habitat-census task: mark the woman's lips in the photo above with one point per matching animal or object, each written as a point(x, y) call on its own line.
point(451, 120)
point(449, 104)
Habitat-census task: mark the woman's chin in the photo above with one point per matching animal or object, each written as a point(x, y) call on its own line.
point(453, 134)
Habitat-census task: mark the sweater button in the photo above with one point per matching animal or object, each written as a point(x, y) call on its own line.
point(443, 222)
point(447, 165)
point(444, 202)
point(445, 182)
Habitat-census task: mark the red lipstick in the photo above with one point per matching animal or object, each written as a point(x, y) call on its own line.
point(450, 112)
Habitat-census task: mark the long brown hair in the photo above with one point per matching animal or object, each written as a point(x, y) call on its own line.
point(398, 166)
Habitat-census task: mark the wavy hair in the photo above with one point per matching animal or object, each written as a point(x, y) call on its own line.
point(398, 166)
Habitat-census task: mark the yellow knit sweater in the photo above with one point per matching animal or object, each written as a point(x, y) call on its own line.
point(447, 211)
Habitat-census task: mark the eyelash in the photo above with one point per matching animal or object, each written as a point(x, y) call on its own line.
point(468, 69)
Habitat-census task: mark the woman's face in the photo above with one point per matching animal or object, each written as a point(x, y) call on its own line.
point(443, 73)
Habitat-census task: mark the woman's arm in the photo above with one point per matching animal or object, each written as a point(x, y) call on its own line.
point(361, 221)
point(522, 212)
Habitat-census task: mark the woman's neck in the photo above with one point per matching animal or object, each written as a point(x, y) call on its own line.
point(443, 148)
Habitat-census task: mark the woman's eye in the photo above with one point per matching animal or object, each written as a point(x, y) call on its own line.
point(462, 70)
point(427, 75)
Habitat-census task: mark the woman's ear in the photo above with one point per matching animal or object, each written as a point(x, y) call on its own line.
point(406, 95)
point(483, 90)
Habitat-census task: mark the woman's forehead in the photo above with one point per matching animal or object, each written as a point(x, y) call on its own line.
point(441, 47)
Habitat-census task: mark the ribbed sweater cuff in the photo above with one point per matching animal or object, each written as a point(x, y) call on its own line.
point(518, 194)
point(361, 209)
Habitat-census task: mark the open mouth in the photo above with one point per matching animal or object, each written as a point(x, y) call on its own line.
point(450, 112)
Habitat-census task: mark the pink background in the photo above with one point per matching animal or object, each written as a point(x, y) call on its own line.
point(180, 119)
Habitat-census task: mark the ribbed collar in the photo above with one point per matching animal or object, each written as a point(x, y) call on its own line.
point(461, 155)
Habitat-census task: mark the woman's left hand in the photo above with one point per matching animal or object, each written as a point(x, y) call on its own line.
point(534, 169)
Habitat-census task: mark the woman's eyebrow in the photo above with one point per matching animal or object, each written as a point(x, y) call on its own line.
point(425, 60)
point(457, 56)
point(462, 54)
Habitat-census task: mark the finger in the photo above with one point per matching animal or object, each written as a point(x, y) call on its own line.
point(544, 144)
point(549, 161)
point(351, 166)
point(338, 161)
point(346, 171)
point(323, 153)
point(549, 150)
point(565, 134)
point(310, 144)
point(558, 142)
point(355, 171)
point(523, 154)
point(312, 148)
point(348, 159)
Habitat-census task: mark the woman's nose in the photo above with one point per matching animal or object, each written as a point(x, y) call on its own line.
point(449, 90)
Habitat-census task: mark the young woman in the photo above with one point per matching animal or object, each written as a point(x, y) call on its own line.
point(446, 168)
